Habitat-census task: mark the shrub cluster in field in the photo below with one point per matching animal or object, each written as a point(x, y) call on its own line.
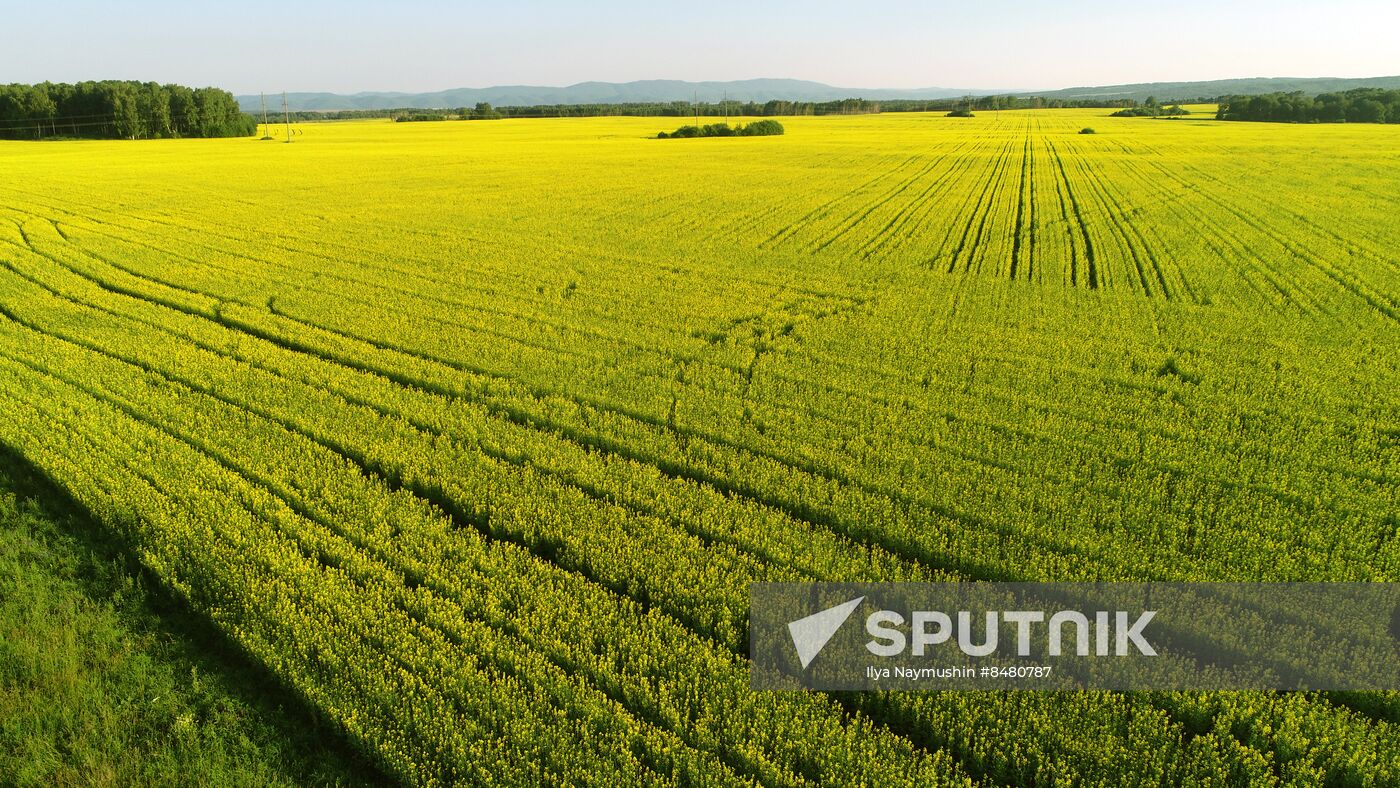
point(1152, 109)
point(759, 128)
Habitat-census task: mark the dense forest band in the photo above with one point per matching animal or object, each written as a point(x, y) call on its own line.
point(113, 109)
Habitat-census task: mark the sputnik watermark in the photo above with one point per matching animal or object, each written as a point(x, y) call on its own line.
point(1069, 635)
point(930, 628)
point(902, 674)
point(813, 632)
point(889, 639)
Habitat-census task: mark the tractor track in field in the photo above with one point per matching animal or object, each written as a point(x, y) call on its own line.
point(239, 233)
point(375, 473)
point(978, 208)
point(439, 502)
point(1287, 288)
point(968, 164)
point(387, 560)
point(1022, 198)
point(1354, 244)
point(826, 207)
point(738, 230)
point(1138, 174)
point(1387, 306)
point(523, 317)
point(853, 219)
point(985, 214)
point(432, 285)
point(339, 345)
point(1087, 243)
point(888, 242)
point(921, 205)
point(1071, 238)
point(275, 310)
point(767, 503)
point(809, 469)
point(608, 337)
point(273, 307)
point(1031, 248)
point(424, 431)
point(803, 512)
point(490, 288)
point(1144, 259)
point(448, 509)
point(310, 544)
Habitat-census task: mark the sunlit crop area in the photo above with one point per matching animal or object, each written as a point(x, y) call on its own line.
point(475, 433)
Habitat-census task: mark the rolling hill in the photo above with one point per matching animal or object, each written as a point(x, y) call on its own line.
point(663, 90)
point(649, 90)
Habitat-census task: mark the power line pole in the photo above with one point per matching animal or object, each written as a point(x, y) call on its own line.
point(726, 108)
point(286, 116)
point(265, 133)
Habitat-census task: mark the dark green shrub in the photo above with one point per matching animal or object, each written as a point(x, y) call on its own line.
point(762, 128)
point(759, 128)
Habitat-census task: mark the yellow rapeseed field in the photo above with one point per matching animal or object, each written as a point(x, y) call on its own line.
point(475, 433)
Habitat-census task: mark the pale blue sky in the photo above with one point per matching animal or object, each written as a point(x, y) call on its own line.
point(419, 45)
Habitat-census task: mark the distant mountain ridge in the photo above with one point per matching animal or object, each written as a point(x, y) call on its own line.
point(650, 90)
point(1251, 86)
point(760, 90)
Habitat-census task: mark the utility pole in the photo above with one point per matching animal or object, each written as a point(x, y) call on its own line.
point(726, 108)
point(265, 133)
point(286, 116)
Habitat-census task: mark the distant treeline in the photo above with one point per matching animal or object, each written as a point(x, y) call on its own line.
point(482, 111)
point(759, 128)
point(119, 110)
point(850, 106)
point(1151, 109)
point(1362, 105)
point(681, 109)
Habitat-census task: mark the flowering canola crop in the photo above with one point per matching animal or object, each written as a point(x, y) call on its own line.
point(475, 434)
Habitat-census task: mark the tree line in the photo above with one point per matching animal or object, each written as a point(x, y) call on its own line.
point(1152, 109)
point(482, 111)
point(681, 109)
point(778, 107)
point(1360, 105)
point(113, 109)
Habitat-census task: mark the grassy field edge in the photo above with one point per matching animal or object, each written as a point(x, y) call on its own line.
point(107, 679)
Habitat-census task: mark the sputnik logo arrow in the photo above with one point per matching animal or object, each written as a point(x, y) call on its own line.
point(811, 634)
